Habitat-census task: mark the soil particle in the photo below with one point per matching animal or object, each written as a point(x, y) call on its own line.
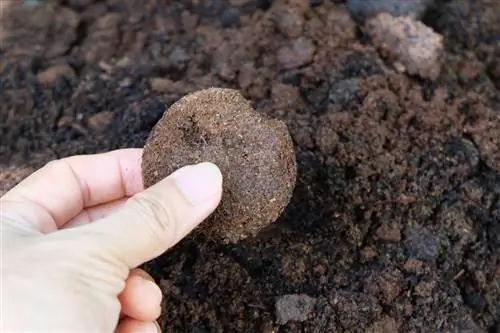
point(80, 4)
point(363, 9)
point(230, 18)
point(289, 20)
point(254, 154)
point(105, 38)
point(414, 266)
point(100, 121)
point(298, 53)
point(408, 44)
point(425, 289)
point(384, 325)
point(49, 32)
point(421, 244)
point(494, 71)
point(355, 310)
point(467, 325)
point(285, 96)
point(297, 307)
point(11, 176)
point(161, 85)
point(389, 232)
point(342, 93)
point(178, 58)
point(367, 254)
point(386, 286)
point(50, 75)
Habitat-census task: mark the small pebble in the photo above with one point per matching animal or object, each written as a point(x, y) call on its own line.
point(410, 45)
point(365, 9)
point(294, 307)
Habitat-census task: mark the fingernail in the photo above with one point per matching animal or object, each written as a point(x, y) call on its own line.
point(143, 274)
point(149, 327)
point(199, 183)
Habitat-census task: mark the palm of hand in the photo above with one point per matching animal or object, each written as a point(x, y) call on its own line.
point(73, 234)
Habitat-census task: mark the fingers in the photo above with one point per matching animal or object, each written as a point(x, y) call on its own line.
point(91, 214)
point(157, 218)
point(141, 298)
point(61, 189)
point(129, 325)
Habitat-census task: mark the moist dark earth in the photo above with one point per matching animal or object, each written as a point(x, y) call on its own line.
point(394, 225)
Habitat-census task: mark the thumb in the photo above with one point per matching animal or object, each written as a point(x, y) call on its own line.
point(157, 218)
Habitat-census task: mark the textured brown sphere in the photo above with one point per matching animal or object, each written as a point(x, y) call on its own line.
point(255, 155)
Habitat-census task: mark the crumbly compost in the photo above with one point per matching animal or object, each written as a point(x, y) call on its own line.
point(255, 155)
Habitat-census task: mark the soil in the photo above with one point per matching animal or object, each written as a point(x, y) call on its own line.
point(254, 153)
point(394, 225)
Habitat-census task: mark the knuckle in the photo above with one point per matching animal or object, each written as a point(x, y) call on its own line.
point(158, 216)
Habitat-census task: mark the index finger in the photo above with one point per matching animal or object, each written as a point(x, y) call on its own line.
point(61, 189)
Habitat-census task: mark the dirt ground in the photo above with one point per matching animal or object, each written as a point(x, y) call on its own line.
point(394, 225)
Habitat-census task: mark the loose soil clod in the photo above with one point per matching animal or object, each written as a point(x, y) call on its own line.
point(410, 45)
point(255, 156)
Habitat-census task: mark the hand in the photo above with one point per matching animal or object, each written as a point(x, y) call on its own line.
point(74, 232)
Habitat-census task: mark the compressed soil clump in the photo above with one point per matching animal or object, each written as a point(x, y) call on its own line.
point(255, 155)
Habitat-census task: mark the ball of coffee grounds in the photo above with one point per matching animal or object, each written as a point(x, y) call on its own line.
point(255, 155)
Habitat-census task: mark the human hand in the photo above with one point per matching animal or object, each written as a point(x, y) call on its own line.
point(74, 232)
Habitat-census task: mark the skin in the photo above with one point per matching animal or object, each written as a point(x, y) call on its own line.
point(74, 232)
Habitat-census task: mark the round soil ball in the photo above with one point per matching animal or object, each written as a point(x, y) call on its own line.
point(255, 155)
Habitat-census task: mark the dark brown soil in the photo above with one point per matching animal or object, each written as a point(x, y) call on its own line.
point(255, 155)
point(394, 225)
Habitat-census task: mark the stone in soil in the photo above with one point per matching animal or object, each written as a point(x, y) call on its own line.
point(255, 155)
point(409, 45)
point(295, 307)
